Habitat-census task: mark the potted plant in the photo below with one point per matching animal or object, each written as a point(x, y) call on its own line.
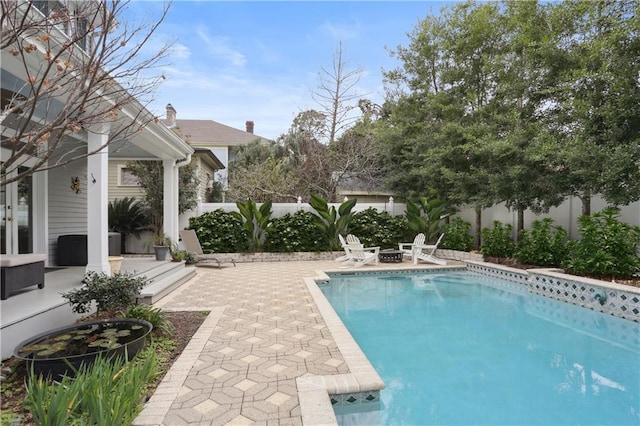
point(161, 245)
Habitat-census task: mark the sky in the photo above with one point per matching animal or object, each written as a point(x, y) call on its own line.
point(234, 61)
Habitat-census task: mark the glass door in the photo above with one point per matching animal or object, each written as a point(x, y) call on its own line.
point(16, 214)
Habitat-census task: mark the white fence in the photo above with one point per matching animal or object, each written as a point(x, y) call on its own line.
point(565, 215)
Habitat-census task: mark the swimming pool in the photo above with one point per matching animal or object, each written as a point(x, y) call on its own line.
point(462, 348)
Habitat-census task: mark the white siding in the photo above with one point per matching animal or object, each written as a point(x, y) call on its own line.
point(116, 191)
point(67, 210)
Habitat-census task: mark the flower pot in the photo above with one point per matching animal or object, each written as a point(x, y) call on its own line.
point(115, 262)
point(161, 252)
point(58, 352)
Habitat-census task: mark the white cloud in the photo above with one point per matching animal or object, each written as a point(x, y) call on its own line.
point(180, 51)
point(219, 47)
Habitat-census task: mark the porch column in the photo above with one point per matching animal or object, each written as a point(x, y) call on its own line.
point(170, 200)
point(97, 203)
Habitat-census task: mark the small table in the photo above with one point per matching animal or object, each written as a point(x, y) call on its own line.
point(390, 256)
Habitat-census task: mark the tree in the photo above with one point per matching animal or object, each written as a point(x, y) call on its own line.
point(54, 93)
point(335, 95)
point(593, 107)
point(150, 177)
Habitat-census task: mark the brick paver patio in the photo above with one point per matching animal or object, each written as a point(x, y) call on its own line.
point(263, 332)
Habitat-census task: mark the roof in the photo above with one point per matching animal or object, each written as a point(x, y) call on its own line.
point(209, 158)
point(212, 133)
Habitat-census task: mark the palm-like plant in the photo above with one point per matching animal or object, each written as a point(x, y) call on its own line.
point(128, 217)
point(427, 216)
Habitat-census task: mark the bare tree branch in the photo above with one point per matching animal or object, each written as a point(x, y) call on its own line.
point(70, 68)
point(335, 94)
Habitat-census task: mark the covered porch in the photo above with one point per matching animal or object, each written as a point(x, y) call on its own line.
point(32, 311)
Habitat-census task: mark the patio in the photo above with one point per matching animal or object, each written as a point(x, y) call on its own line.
point(264, 348)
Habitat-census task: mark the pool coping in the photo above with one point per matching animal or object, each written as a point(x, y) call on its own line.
point(314, 392)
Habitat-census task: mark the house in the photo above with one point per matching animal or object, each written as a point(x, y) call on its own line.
point(214, 136)
point(71, 198)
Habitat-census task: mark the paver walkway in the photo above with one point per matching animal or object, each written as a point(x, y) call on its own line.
point(263, 331)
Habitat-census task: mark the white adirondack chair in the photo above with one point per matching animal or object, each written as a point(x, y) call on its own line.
point(407, 248)
point(347, 253)
point(426, 252)
point(360, 255)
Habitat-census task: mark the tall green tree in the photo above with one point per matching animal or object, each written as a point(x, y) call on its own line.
point(594, 103)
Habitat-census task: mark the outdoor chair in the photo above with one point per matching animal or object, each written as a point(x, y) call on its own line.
point(426, 252)
point(347, 254)
point(192, 244)
point(407, 248)
point(360, 255)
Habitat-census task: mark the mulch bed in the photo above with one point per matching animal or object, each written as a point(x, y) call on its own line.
point(13, 389)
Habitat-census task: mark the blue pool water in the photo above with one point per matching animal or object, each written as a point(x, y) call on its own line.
point(460, 349)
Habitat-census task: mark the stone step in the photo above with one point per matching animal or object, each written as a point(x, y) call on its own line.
point(165, 278)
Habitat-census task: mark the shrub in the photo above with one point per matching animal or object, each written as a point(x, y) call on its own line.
point(109, 392)
point(110, 293)
point(220, 232)
point(188, 257)
point(607, 247)
point(156, 316)
point(128, 217)
point(378, 229)
point(295, 232)
point(457, 235)
point(498, 242)
point(543, 245)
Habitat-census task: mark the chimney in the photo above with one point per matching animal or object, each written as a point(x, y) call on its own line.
point(249, 126)
point(171, 116)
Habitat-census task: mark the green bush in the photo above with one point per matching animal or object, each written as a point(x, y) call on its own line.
point(543, 245)
point(295, 232)
point(220, 232)
point(498, 242)
point(378, 229)
point(156, 316)
point(109, 392)
point(110, 293)
point(607, 247)
point(457, 235)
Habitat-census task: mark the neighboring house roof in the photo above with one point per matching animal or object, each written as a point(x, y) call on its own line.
point(209, 158)
point(210, 133)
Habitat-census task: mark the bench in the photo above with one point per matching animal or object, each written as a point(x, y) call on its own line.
point(19, 271)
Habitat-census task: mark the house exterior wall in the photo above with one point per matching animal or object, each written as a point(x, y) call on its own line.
point(67, 210)
point(223, 155)
point(205, 173)
point(121, 191)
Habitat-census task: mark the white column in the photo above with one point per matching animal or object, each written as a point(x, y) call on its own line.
point(170, 199)
point(97, 203)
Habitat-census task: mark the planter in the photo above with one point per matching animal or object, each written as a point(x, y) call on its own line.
point(115, 262)
point(58, 352)
point(162, 252)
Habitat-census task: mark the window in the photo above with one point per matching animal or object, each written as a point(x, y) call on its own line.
point(126, 178)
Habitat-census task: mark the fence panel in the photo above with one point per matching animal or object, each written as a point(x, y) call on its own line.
point(565, 215)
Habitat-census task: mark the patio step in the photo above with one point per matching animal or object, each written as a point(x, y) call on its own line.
point(165, 278)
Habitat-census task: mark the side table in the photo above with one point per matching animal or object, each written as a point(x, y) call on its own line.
point(390, 256)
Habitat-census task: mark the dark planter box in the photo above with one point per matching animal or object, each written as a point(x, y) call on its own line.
point(72, 249)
